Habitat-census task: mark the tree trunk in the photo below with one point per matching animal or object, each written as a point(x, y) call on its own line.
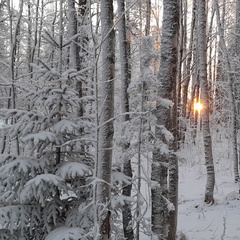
point(14, 40)
point(106, 123)
point(125, 79)
point(148, 17)
point(202, 50)
point(74, 58)
point(72, 31)
point(161, 158)
point(187, 75)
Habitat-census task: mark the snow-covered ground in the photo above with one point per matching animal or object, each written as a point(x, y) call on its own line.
point(197, 220)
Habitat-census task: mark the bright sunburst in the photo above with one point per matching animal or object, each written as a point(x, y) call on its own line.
point(198, 106)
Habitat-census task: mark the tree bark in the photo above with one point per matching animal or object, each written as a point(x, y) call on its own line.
point(14, 40)
point(74, 57)
point(74, 61)
point(106, 123)
point(161, 158)
point(202, 52)
point(187, 75)
point(148, 17)
point(125, 79)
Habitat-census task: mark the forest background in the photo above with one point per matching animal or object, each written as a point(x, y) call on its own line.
point(102, 102)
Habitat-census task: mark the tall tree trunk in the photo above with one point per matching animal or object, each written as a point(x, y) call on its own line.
point(220, 73)
point(35, 32)
point(187, 75)
point(237, 68)
point(125, 79)
point(14, 40)
point(40, 32)
point(202, 52)
point(74, 57)
point(72, 31)
point(167, 79)
point(106, 122)
point(148, 17)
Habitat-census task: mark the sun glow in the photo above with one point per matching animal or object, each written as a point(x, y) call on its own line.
point(198, 106)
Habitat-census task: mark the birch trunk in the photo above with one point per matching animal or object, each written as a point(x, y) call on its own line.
point(167, 79)
point(106, 124)
point(125, 79)
point(202, 51)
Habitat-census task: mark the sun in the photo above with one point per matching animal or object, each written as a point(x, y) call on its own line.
point(198, 106)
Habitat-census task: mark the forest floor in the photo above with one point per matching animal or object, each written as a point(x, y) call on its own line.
point(200, 221)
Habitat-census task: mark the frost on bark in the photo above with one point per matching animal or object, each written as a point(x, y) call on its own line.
point(125, 78)
point(164, 167)
point(202, 51)
point(74, 58)
point(106, 114)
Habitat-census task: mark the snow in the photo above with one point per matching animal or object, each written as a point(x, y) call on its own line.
point(41, 187)
point(40, 136)
point(66, 233)
point(73, 169)
point(200, 221)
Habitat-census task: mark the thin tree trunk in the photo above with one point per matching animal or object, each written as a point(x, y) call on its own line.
point(127, 168)
point(14, 39)
point(35, 32)
point(29, 48)
point(60, 69)
point(187, 77)
point(72, 31)
point(237, 68)
point(220, 73)
point(74, 57)
point(52, 60)
point(148, 17)
point(209, 63)
point(139, 160)
point(106, 124)
point(202, 52)
point(40, 33)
